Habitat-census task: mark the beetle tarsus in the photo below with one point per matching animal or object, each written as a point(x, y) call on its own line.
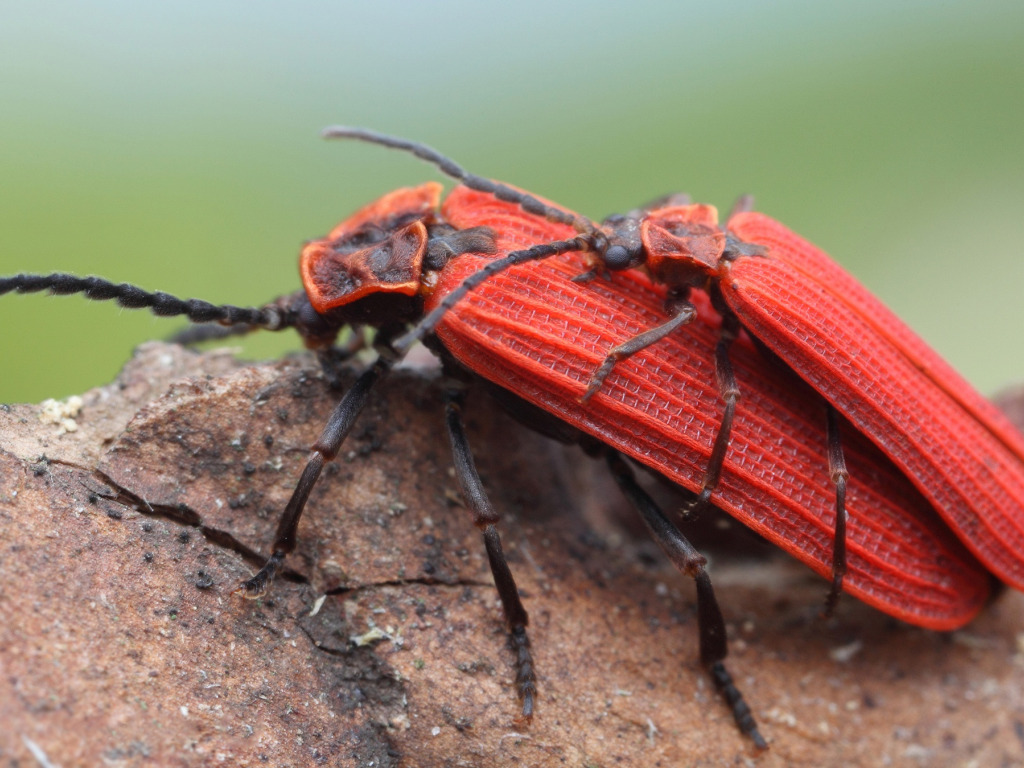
point(740, 710)
point(259, 584)
point(526, 679)
point(714, 645)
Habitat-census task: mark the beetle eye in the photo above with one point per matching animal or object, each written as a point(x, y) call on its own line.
point(617, 257)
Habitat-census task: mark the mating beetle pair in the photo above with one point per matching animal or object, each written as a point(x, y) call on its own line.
point(621, 361)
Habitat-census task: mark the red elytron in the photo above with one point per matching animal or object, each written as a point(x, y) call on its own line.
point(539, 334)
point(960, 452)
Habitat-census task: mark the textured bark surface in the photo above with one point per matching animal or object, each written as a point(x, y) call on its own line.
point(122, 645)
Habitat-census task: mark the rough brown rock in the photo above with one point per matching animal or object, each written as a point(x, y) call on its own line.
point(122, 645)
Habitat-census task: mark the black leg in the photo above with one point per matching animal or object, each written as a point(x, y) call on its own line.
point(743, 204)
point(837, 471)
point(485, 518)
point(324, 450)
point(203, 332)
point(710, 624)
point(730, 394)
point(331, 358)
point(631, 346)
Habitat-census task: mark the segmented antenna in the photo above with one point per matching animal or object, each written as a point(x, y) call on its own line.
point(162, 304)
point(426, 326)
point(591, 237)
point(449, 167)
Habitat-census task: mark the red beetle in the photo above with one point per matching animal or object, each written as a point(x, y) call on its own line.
point(788, 295)
point(540, 335)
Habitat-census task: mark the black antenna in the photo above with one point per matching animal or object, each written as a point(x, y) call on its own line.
point(591, 237)
point(449, 167)
point(271, 317)
point(426, 326)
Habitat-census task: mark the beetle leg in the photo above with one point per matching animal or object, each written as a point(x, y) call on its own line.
point(202, 332)
point(711, 625)
point(199, 332)
point(730, 395)
point(324, 450)
point(331, 358)
point(485, 518)
point(671, 200)
point(743, 204)
point(630, 347)
point(839, 475)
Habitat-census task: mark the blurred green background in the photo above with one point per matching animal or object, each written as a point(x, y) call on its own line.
point(175, 145)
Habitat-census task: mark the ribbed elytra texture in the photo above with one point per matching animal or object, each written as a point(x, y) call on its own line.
point(960, 452)
point(537, 334)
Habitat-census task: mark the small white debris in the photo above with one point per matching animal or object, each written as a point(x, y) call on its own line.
point(61, 414)
point(317, 605)
point(435, 731)
point(652, 731)
point(918, 752)
point(37, 752)
point(782, 717)
point(844, 653)
point(375, 633)
point(370, 636)
point(973, 641)
point(184, 711)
